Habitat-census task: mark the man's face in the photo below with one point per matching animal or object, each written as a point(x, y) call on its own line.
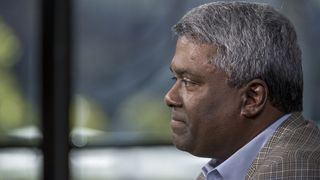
point(205, 109)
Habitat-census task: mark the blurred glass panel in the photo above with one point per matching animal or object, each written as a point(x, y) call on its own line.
point(156, 163)
point(22, 164)
point(122, 51)
point(19, 77)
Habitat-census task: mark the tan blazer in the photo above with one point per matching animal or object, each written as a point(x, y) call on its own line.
point(292, 152)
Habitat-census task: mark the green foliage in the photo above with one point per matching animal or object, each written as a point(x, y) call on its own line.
point(146, 113)
point(9, 46)
point(87, 114)
point(14, 109)
point(88, 121)
point(12, 106)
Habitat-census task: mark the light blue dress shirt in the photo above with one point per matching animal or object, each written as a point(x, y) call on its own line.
point(236, 166)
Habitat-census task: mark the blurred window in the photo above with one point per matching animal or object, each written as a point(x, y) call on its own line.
point(19, 90)
point(121, 53)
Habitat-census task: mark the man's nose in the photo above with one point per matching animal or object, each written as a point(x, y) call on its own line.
point(172, 98)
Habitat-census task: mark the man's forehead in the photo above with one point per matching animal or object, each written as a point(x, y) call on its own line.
point(194, 50)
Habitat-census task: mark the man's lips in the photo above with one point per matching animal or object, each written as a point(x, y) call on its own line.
point(175, 116)
point(177, 123)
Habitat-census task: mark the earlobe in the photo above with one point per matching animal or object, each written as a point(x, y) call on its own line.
point(254, 97)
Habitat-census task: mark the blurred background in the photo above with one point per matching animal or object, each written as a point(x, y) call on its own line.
point(120, 56)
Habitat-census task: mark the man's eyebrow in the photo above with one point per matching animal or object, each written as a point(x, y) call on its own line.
point(179, 71)
point(183, 71)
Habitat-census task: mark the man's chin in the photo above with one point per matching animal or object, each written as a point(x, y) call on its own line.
point(189, 147)
point(181, 143)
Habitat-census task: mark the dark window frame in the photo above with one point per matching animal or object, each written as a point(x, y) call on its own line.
point(56, 87)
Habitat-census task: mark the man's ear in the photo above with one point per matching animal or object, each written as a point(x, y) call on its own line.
point(254, 98)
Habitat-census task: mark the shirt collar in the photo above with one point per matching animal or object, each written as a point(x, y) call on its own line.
point(236, 166)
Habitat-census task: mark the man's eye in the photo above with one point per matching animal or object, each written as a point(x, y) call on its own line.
point(187, 82)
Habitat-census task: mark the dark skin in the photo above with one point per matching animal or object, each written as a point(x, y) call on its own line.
point(209, 117)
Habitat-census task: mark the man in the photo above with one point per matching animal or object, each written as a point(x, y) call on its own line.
point(237, 96)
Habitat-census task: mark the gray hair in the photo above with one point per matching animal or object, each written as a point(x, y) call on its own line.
point(254, 42)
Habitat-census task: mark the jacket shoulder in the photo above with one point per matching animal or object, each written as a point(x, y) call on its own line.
point(293, 152)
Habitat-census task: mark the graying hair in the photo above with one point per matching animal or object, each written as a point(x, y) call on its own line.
point(254, 42)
